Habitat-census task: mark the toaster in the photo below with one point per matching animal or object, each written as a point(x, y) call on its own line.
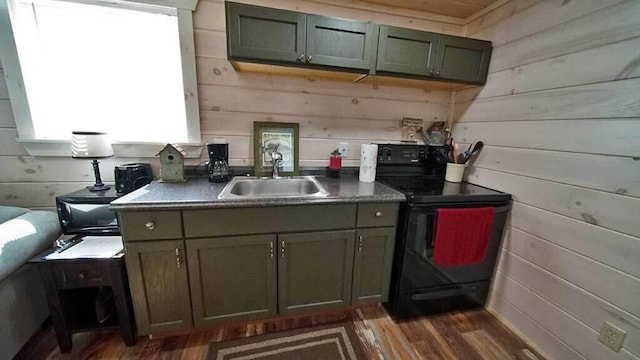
point(132, 176)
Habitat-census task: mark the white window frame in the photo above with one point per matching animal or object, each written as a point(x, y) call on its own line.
point(20, 101)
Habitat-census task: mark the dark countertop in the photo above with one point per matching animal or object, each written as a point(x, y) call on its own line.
point(200, 193)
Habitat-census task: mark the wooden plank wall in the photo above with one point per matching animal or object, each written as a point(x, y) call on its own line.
point(328, 112)
point(560, 119)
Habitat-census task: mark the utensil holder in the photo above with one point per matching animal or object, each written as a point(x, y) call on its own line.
point(455, 172)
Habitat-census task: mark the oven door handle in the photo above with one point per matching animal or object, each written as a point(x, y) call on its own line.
point(433, 210)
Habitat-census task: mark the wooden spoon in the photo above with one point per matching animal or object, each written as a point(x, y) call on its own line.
point(454, 151)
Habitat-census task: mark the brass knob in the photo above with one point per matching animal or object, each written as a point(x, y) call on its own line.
point(378, 213)
point(300, 58)
point(150, 225)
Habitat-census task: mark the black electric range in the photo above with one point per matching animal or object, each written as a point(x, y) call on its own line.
point(418, 286)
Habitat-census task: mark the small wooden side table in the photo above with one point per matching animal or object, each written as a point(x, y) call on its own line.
point(71, 286)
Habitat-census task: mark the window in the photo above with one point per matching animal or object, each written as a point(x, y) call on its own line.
point(118, 67)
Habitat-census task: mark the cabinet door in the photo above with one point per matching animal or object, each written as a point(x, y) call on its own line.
point(463, 59)
point(372, 264)
point(314, 270)
point(406, 51)
point(339, 42)
point(232, 278)
point(264, 34)
point(159, 285)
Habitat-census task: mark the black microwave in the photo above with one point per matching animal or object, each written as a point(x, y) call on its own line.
point(87, 212)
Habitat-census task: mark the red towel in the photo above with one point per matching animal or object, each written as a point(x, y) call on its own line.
point(462, 235)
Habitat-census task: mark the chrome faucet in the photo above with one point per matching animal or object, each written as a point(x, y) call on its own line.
point(276, 160)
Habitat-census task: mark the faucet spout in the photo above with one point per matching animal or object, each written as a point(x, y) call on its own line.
point(276, 160)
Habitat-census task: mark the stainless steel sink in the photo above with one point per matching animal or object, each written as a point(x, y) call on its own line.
point(261, 188)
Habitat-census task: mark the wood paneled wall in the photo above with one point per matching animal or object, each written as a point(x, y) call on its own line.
point(560, 119)
point(328, 112)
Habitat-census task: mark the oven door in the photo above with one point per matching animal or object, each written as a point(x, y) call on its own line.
point(420, 272)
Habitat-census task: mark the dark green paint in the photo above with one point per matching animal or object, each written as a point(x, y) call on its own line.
point(463, 59)
point(340, 43)
point(263, 220)
point(314, 270)
point(166, 225)
point(368, 214)
point(436, 56)
point(405, 51)
point(272, 36)
point(255, 32)
point(372, 265)
point(232, 278)
point(235, 278)
point(159, 286)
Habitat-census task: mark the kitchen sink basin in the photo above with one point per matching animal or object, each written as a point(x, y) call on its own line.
point(261, 188)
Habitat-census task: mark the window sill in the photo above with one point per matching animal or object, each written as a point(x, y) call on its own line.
point(41, 147)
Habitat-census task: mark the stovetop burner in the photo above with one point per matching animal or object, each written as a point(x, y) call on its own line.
point(427, 190)
point(418, 172)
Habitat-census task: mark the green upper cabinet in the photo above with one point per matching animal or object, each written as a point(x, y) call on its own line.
point(405, 51)
point(424, 54)
point(278, 37)
point(274, 36)
point(463, 59)
point(314, 270)
point(232, 278)
point(260, 33)
point(342, 43)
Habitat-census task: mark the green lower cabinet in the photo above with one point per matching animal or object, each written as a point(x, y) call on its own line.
point(314, 270)
point(232, 278)
point(372, 265)
point(159, 285)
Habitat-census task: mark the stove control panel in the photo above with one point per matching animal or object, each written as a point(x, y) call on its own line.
point(394, 154)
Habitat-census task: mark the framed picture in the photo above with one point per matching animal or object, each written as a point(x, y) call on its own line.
point(272, 137)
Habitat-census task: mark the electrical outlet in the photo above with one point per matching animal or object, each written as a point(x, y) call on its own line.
point(344, 149)
point(612, 336)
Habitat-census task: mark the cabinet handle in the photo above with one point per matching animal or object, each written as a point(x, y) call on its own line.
point(300, 58)
point(271, 249)
point(432, 72)
point(378, 214)
point(282, 245)
point(309, 59)
point(438, 73)
point(360, 243)
point(150, 225)
point(178, 259)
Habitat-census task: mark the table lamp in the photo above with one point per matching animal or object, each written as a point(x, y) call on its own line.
point(91, 145)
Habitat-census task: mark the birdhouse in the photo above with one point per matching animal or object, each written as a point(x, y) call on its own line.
point(171, 164)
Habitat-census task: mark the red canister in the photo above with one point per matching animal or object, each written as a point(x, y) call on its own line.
point(335, 162)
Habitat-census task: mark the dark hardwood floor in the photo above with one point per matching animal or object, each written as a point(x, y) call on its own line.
point(472, 334)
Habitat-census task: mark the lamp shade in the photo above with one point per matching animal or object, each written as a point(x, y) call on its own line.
point(90, 144)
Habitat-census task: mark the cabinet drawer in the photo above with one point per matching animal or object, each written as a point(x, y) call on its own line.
point(151, 225)
point(377, 214)
point(247, 221)
point(80, 274)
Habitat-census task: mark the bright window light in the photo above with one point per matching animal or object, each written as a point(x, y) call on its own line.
point(89, 67)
